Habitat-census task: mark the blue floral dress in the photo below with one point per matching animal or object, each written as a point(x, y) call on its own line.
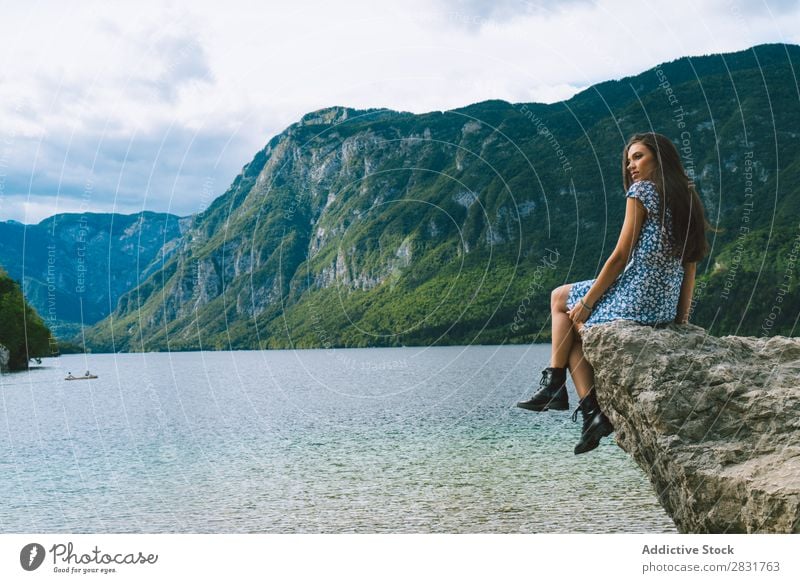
point(649, 288)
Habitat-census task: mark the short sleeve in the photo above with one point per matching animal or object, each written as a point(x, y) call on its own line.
point(646, 192)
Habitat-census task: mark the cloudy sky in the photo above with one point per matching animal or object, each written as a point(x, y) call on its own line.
point(125, 106)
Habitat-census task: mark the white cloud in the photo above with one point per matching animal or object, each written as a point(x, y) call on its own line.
point(149, 100)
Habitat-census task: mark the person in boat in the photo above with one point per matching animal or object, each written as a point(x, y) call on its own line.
point(69, 375)
point(649, 277)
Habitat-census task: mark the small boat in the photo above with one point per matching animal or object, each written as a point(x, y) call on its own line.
point(88, 375)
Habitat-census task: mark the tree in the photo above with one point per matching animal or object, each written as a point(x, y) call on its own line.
point(22, 330)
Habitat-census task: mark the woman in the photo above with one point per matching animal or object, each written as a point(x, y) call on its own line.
point(649, 276)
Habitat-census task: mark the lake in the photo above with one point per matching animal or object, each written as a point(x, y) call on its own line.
point(395, 440)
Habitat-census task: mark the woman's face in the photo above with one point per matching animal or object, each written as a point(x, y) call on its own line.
point(641, 162)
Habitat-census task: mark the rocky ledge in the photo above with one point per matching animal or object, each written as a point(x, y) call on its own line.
point(714, 422)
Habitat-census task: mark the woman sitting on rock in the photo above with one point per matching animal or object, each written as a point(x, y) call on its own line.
point(649, 276)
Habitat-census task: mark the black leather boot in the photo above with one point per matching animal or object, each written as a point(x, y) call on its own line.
point(595, 424)
point(552, 394)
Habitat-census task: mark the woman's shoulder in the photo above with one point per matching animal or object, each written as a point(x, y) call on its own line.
point(642, 186)
point(645, 191)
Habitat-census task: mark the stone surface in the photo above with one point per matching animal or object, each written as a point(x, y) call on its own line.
point(714, 422)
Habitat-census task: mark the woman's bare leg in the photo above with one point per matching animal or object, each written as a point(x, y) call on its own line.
point(580, 369)
point(562, 331)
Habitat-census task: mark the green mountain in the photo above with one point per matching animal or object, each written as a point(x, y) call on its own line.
point(23, 334)
point(382, 228)
point(75, 266)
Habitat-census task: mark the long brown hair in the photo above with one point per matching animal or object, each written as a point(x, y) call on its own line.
point(675, 190)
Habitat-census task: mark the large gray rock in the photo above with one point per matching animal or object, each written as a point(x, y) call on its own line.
point(714, 422)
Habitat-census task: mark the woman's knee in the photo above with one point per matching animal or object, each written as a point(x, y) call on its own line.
point(558, 298)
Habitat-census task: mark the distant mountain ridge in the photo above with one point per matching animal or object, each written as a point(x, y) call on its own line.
point(74, 266)
point(375, 227)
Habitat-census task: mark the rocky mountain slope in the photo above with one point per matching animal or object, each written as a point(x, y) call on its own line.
point(366, 228)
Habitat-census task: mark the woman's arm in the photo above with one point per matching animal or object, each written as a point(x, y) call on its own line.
point(687, 288)
point(635, 214)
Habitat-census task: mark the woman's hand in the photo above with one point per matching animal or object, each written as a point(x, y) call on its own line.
point(578, 314)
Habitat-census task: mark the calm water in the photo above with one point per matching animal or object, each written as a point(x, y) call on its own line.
point(360, 440)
